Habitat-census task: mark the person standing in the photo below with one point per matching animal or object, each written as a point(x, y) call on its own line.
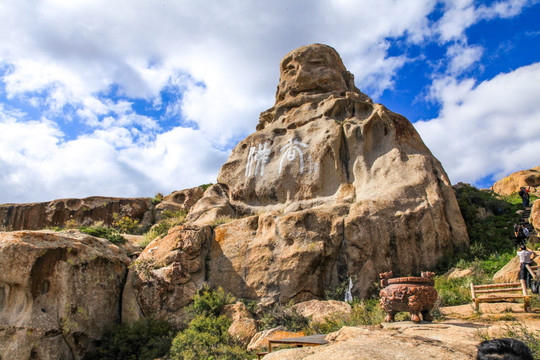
point(524, 194)
point(525, 256)
point(519, 233)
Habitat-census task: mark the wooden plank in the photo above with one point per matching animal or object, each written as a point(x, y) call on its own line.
point(499, 290)
point(488, 299)
point(496, 285)
point(533, 274)
point(473, 293)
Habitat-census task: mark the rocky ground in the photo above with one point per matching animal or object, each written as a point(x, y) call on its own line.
point(453, 338)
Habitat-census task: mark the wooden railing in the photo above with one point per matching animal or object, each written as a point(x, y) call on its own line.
point(507, 291)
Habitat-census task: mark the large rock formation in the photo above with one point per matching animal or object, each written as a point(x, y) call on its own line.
point(534, 218)
point(512, 183)
point(58, 213)
point(330, 186)
point(95, 209)
point(58, 292)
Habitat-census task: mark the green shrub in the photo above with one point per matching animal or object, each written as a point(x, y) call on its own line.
point(206, 337)
point(454, 291)
point(210, 302)
point(126, 225)
point(145, 339)
point(490, 236)
point(338, 293)
point(283, 315)
point(157, 199)
point(205, 186)
point(170, 220)
point(106, 233)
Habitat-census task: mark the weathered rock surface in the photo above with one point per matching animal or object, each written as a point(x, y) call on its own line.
point(331, 186)
point(58, 292)
point(339, 186)
point(178, 201)
point(510, 271)
point(167, 274)
point(318, 311)
point(448, 341)
point(243, 326)
point(512, 183)
point(85, 211)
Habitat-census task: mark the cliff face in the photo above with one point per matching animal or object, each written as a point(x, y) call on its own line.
point(330, 186)
point(58, 213)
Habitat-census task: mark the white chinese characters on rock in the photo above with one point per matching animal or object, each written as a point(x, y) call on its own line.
point(259, 156)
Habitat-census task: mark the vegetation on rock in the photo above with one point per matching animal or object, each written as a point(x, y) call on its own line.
point(170, 220)
point(489, 219)
point(145, 339)
point(103, 232)
point(206, 335)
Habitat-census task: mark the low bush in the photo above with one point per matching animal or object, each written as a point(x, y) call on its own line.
point(157, 198)
point(125, 224)
point(337, 293)
point(106, 233)
point(206, 335)
point(210, 302)
point(170, 220)
point(205, 186)
point(283, 315)
point(145, 339)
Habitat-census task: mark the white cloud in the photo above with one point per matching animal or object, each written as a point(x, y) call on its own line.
point(491, 128)
point(461, 14)
point(38, 164)
point(218, 63)
point(462, 57)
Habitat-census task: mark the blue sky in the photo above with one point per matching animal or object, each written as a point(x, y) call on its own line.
point(130, 98)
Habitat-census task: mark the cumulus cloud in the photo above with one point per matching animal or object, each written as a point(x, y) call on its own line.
point(461, 14)
point(203, 73)
point(486, 128)
point(38, 163)
point(462, 57)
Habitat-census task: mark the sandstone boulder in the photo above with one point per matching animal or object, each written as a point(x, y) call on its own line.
point(167, 274)
point(243, 326)
point(512, 183)
point(58, 292)
point(510, 272)
point(318, 311)
point(58, 213)
point(456, 273)
point(214, 205)
point(178, 201)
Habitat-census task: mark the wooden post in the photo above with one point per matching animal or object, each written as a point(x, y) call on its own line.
point(473, 296)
